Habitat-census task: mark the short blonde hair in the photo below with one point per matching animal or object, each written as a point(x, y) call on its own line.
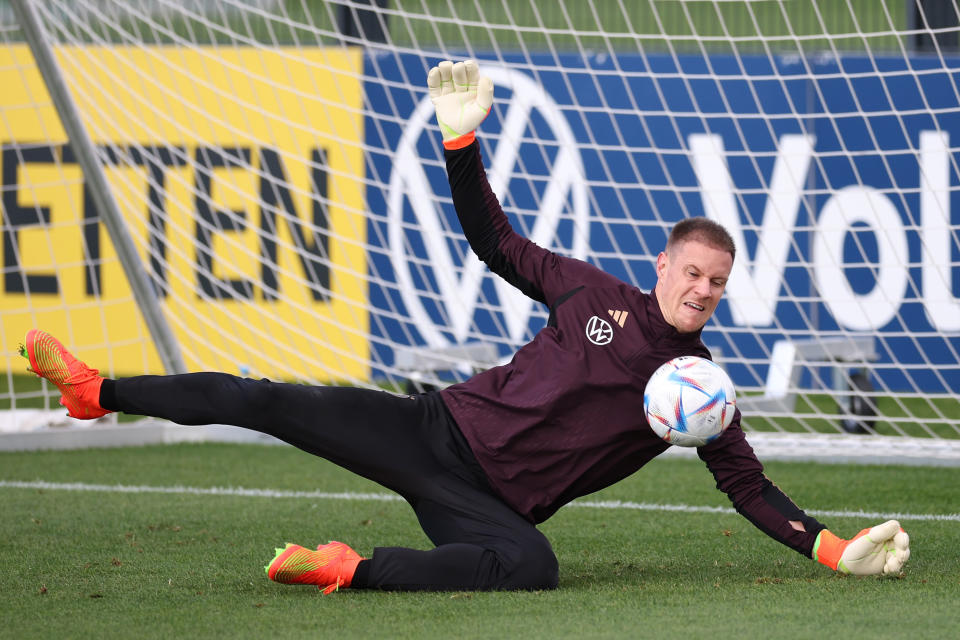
point(703, 230)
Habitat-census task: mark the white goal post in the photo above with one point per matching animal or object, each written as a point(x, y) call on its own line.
point(272, 199)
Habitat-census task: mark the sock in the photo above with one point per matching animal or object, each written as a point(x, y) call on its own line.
point(361, 576)
point(108, 395)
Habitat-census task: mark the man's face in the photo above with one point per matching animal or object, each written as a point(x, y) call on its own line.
point(690, 283)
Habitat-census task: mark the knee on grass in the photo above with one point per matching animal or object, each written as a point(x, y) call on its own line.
point(535, 569)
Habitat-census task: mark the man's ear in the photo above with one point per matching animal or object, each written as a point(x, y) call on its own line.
point(661, 263)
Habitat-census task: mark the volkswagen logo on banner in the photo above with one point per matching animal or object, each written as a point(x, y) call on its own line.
point(457, 281)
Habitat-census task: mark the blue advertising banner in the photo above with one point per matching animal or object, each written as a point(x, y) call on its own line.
point(837, 177)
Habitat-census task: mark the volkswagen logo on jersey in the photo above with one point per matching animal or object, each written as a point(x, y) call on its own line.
point(599, 331)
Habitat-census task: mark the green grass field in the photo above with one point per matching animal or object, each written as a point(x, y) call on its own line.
point(543, 25)
point(110, 564)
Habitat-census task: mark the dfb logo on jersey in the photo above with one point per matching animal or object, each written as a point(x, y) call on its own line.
point(599, 331)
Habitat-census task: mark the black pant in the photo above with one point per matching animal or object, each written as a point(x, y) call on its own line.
point(410, 445)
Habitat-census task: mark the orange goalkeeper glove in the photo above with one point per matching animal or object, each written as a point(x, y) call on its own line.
point(880, 550)
point(462, 99)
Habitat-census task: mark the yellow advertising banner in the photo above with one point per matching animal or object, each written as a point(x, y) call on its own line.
point(239, 174)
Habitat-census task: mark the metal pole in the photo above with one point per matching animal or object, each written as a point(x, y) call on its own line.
point(96, 179)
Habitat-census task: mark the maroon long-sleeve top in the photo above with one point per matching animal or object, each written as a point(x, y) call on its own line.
point(564, 417)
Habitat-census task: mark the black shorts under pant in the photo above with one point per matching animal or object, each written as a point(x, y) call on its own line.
point(410, 445)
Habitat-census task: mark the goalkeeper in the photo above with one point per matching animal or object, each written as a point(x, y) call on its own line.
point(484, 461)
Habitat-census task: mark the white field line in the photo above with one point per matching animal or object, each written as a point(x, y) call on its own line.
point(390, 497)
point(877, 515)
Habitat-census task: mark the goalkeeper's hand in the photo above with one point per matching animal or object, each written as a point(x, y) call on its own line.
point(880, 550)
point(462, 99)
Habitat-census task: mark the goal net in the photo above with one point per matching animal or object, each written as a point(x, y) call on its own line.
point(274, 172)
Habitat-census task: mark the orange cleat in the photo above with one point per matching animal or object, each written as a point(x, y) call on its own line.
point(330, 567)
point(79, 385)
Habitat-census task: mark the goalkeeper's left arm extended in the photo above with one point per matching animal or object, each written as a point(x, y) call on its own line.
point(879, 550)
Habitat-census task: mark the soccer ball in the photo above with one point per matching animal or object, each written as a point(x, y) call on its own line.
point(689, 401)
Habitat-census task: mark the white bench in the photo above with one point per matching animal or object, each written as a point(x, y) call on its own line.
point(421, 365)
point(790, 357)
